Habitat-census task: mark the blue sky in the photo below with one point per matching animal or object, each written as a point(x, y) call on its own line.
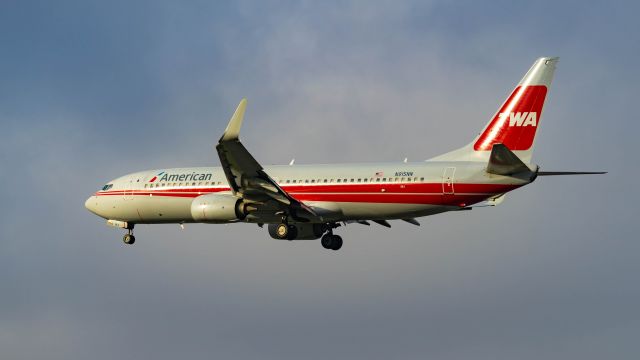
point(92, 90)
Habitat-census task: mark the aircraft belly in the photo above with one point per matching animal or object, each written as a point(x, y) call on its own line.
point(157, 209)
point(371, 211)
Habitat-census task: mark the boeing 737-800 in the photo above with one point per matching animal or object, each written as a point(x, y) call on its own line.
point(302, 202)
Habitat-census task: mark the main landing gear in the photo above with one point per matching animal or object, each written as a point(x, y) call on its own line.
point(331, 242)
point(128, 238)
point(302, 231)
point(286, 231)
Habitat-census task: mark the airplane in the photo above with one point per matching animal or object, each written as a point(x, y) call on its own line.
point(309, 202)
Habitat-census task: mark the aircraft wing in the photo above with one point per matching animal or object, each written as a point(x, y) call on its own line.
point(248, 179)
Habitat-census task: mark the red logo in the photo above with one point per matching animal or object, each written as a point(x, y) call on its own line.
point(517, 120)
point(156, 177)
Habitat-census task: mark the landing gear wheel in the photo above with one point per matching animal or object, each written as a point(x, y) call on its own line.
point(282, 231)
point(129, 239)
point(331, 242)
point(336, 244)
point(326, 241)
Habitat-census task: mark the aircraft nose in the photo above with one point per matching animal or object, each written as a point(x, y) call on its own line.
point(91, 204)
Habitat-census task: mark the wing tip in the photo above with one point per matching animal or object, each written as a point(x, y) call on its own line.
point(232, 132)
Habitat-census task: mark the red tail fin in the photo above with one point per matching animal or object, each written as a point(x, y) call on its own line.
point(516, 122)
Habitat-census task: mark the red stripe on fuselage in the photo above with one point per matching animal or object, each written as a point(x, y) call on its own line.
point(408, 193)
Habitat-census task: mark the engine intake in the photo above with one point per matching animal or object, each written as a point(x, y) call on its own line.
point(217, 208)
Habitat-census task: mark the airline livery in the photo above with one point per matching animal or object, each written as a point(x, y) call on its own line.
point(306, 202)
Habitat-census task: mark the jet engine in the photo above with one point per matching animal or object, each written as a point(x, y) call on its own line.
point(218, 208)
point(299, 231)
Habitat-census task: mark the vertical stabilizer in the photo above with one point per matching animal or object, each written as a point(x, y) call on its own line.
point(516, 122)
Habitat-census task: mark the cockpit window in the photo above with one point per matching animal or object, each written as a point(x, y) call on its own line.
point(107, 187)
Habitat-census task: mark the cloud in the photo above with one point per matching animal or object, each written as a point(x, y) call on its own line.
point(551, 271)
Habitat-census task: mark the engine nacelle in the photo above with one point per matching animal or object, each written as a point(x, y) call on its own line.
point(299, 231)
point(217, 208)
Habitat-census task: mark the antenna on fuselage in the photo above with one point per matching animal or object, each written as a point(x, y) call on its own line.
point(292, 161)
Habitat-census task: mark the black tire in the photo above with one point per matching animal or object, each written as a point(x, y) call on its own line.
point(327, 241)
point(336, 242)
point(129, 239)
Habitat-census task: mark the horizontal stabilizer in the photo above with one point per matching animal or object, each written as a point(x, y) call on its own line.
point(503, 161)
point(553, 173)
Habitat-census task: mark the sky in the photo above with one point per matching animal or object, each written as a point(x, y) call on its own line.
point(92, 90)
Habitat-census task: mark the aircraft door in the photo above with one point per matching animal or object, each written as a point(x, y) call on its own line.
point(128, 192)
point(447, 180)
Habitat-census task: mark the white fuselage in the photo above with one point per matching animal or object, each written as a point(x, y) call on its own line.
point(339, 192)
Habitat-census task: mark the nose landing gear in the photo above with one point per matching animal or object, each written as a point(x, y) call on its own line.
point(128, 238)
